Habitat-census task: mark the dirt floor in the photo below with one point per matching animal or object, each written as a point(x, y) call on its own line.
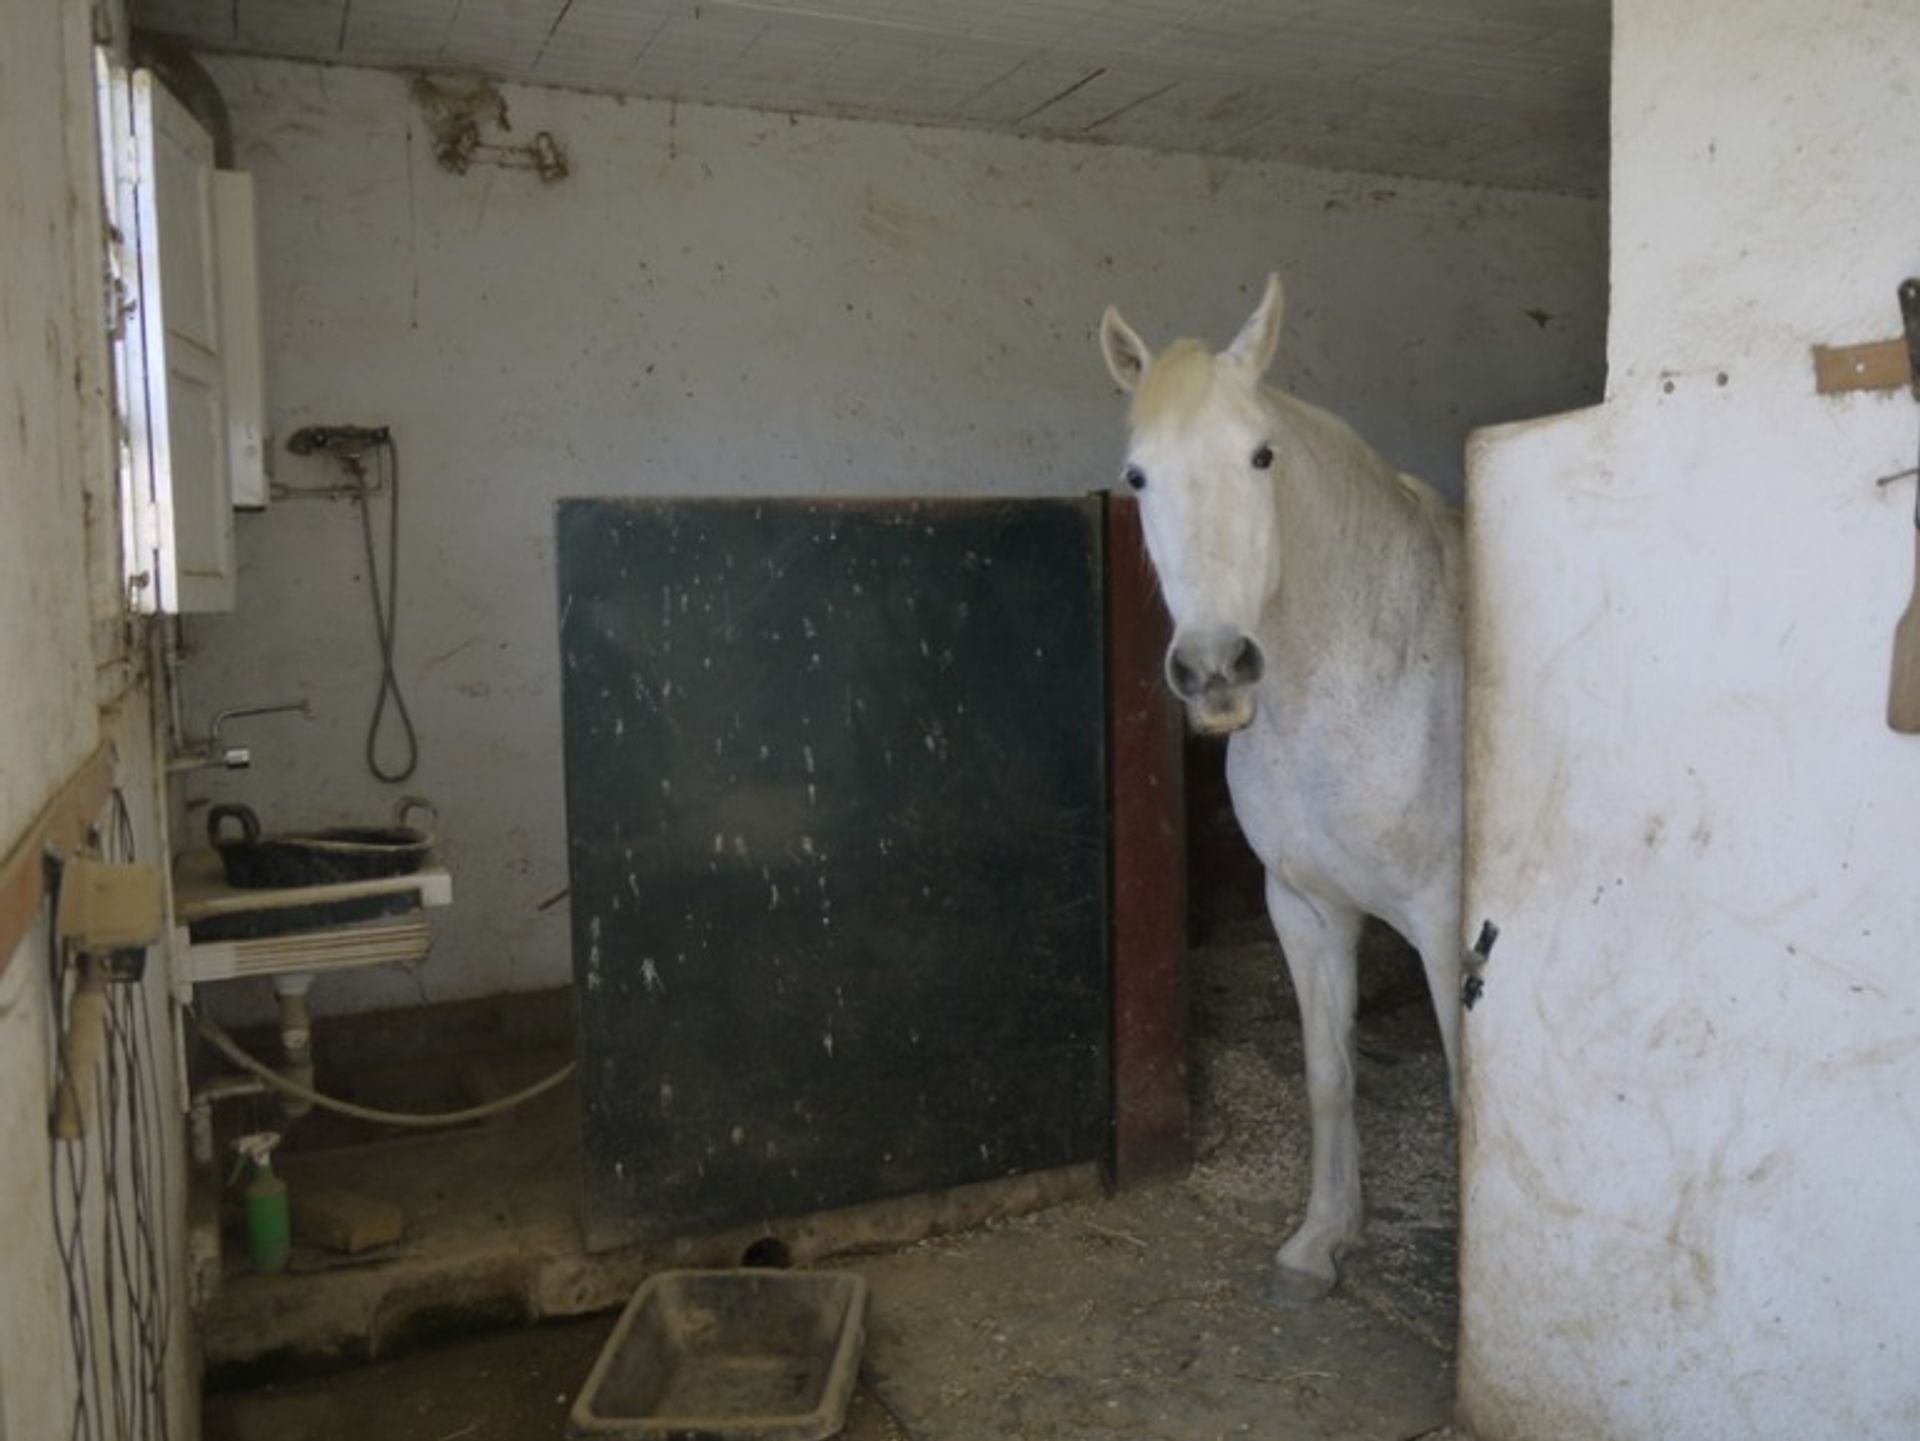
point(1142, 1316)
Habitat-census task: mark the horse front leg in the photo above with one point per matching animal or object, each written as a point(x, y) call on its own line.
point(1320, 940)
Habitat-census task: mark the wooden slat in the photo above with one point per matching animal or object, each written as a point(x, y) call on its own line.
point(1876, 365)
point(61, 827)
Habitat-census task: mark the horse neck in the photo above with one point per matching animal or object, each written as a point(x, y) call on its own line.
point(1351, 539)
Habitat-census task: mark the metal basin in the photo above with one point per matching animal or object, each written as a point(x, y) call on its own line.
point(253, 861)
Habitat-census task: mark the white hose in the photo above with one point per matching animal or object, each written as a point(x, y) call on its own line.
point(217, 1036)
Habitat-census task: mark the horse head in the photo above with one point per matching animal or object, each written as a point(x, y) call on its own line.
point(1201, 456)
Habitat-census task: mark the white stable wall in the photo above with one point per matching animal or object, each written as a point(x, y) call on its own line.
point(730, 302)
point(1692, 1116)
point(58, 569)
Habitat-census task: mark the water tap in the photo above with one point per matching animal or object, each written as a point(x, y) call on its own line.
point(213, 751)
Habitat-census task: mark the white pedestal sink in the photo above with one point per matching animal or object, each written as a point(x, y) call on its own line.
point(222, 932)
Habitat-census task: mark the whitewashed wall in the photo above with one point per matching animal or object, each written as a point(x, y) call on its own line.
point(730, 302)
point(58, 568)
point(1692, 1124)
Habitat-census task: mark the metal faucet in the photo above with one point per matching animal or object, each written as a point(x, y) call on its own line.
point(212, 752)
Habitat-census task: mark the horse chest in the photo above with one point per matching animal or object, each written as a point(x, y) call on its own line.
point(1318, 815)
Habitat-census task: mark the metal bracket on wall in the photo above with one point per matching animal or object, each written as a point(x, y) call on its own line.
point(1909, 296)
point(1910, 318)
point(1876, 364)
point(543, 154)
point(1903, 694)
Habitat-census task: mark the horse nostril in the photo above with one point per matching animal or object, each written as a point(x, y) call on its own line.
point(1184, 679)
point(1248, 664)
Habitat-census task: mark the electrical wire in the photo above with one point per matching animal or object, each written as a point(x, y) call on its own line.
point(69, 1159)
point(158, 1117)
point(386, 615)
point(71, 1244)
point(131, 1125)
point(147, 1120)
point(216, 1035)
point(116, 1268)
point(135, 1273)
point(137, 1249)
point(113, 1225)
point(147, 1158)
point(118, 1303)
point(151, 1230)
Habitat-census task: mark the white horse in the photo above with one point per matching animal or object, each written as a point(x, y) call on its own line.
point(1316, 599)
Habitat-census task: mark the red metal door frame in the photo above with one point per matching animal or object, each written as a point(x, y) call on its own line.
point(1146, 778)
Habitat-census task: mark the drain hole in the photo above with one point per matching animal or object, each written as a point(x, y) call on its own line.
point(769, 1252)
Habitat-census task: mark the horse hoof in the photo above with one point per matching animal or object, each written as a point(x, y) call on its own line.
point(1297, 1288)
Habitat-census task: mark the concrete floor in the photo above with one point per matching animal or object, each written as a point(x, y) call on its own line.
point(1141, 1316)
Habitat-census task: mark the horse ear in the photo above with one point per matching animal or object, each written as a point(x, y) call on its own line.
point(1127, 354)
point(1254, 346)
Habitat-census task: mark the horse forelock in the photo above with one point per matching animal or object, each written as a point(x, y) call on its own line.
point(1175, 388)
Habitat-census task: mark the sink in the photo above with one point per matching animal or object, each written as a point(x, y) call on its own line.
point(254, 861)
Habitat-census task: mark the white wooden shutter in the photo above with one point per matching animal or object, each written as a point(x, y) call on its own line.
point(181, 473)
point(241, 343)
point(119, 167)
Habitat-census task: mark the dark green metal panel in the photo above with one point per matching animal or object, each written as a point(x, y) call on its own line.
point(837, 829)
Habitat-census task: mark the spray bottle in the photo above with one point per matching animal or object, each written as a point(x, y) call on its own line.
point(269, 1228)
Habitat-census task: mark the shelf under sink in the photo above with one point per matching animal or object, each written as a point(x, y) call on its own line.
point(225, 931)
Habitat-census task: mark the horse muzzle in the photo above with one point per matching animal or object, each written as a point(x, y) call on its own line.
point(1216, 673)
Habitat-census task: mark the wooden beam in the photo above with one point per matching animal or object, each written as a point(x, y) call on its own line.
point(1876, 365)
point(61, 827)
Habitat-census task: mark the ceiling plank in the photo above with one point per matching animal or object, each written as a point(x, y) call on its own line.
point(1501, 92)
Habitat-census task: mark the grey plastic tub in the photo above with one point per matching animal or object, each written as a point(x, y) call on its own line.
point(747, 1355)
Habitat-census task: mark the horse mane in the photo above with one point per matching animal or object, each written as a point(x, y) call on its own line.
point(1366, 490)
point(1424, 495)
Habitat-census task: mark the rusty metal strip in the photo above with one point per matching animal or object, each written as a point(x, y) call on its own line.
point(1876, 365)
point(1152, 1123)
point(1909, 293)
point(61, 827)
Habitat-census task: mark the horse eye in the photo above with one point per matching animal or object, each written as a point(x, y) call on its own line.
point(1136, 478)
point(1263, 458)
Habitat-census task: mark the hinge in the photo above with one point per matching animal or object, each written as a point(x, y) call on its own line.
point(119, 306)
